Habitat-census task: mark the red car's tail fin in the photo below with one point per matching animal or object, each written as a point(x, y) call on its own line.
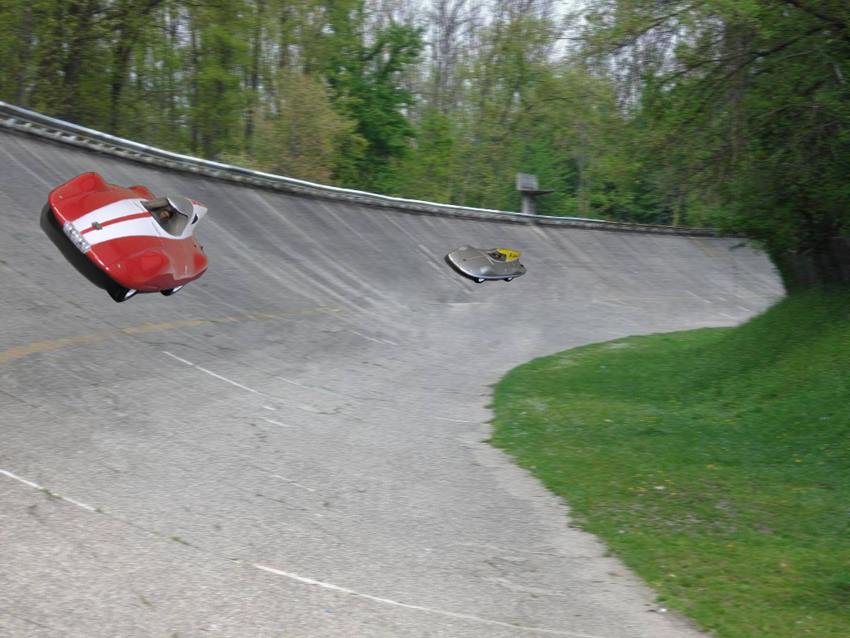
point(85, 183)
point(82, 195)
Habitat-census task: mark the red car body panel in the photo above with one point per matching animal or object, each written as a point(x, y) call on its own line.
point(127, 243)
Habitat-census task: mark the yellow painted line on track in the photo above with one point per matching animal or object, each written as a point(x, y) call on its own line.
point(96, 337)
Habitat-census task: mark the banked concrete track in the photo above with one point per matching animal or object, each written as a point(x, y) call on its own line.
point(293, 445)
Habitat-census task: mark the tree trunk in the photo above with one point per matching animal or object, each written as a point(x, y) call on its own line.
point(254, 80)
point(120, 72)
point(193, 91)
point(829, 265)
point(21, 77)
point(131, 21)
point(80, 18)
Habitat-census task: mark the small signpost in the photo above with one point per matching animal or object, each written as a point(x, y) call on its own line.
point(527, 185)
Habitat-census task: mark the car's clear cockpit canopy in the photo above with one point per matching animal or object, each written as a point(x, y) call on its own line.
point(172, 213)
point(183, 205)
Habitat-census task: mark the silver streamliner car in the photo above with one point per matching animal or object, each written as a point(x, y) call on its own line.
point(481, 264)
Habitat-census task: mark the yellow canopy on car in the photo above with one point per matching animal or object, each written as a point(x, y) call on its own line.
point(510, 255)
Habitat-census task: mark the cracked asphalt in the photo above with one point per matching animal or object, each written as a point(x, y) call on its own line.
point(294, 445)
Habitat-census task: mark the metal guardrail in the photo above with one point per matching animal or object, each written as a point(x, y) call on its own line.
point(19, 119)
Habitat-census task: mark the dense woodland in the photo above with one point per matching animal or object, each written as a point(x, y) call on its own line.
point(734, 114)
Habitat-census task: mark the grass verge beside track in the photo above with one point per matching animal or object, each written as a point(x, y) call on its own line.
point(715, 463)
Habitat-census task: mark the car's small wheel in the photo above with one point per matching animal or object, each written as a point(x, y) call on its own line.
point(509, 279)
point(123, 294)
point(171, 291)
point(479, 280)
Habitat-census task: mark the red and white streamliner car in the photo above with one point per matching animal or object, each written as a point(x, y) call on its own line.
point(125, 240)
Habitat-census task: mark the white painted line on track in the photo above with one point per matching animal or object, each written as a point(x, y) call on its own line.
point(723, 314)
point(51, 493)
point(441, 612)
point(343, 590)
point(283, 425)
point(439, 418)
point(309, 387)
point(188, 363)
point(698, 297)
point(291, 482)
point(314, 388)
point(365, 337)
point(300, 385)
point(460, 304)
point(22, 480)
point(217, 376)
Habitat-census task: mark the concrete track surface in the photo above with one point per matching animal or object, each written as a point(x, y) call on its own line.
point(293, 446)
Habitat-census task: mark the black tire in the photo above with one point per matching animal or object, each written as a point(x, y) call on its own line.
point(509, 279)
point(120, 295)
point(171, 291)
point(479, 280)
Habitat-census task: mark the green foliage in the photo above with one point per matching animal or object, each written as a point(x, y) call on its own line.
point(55, 48)
point(715, 463)
point(366, 84)
point(713, 112)
point(749, 107)
point(153, 107)
point(428, 169)
point(16, 17)
point(250, 79)
point(219, 55)
point(301, 135)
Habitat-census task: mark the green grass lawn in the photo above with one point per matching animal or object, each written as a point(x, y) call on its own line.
point(715, 463)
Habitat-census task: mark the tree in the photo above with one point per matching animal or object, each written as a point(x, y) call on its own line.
point(748, 101)
point(128, 19)
point(16, 42)
point(429, 167)
point(365, 82)
point(300, 134)
point(219, 59)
